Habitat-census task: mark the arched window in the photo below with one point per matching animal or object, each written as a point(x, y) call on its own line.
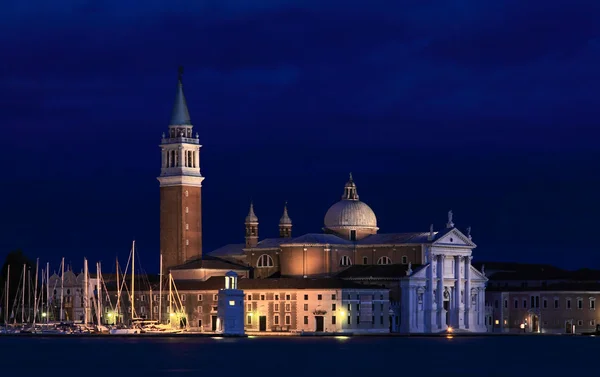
point(345, 261)
point(265, 261)
point(384, 260)
point(404, 259)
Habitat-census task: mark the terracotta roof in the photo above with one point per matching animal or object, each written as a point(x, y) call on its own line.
point(319, 238)
point(217, 282)
point(376, 271)
point(212, 263)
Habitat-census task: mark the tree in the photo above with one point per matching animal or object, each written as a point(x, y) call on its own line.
point(16, 259)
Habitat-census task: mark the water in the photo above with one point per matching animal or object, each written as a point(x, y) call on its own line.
point(290, 357)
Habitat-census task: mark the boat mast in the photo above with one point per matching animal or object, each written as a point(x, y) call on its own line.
point(62, 288)
point(29, 295)
point(118, 294)
point(170, 300)
point(35, 302)
point(7, 293)
point(133, 280)
point(47, 291)
point(160, 275)
point(86, 291)
point(99, 292)
point(23, 297)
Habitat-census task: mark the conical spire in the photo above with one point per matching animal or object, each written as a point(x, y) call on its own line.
point(251, 218)
point(180, 115)
point(285, 218)
point(350, 190)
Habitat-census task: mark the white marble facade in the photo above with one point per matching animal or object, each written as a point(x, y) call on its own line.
point(433, 295)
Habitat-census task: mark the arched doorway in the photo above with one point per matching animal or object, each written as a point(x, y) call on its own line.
point(568, 327)
point(535, 323)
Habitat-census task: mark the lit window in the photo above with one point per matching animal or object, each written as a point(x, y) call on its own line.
point(199, 297)
point(265, 261)
point(249, 307)
point(187, 226)
point(249, 320)
point(345, 261)
point(186, 193)
point(187, 242)
point(384, 260)
point(231, 303)
point(182, 298)
point(187, 210)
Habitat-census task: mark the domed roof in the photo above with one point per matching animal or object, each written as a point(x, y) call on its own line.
point(251, 218)
point(350, 212)
point(285, 218)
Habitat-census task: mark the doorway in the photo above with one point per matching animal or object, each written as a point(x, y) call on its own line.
point(262, 323)
point(535, 323)
point(568, 327)
point(391, 323)
point(320, 323)
point(214, 322)
point(447, 310)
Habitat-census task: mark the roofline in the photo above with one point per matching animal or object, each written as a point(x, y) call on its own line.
point(545, 292)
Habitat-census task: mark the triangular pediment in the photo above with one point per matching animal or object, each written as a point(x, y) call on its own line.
point(477, 275)
point(420, 273)
point(454, 237)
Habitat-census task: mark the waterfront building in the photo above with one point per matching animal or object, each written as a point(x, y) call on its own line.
point(427, 276)
point(230, 309)
point(542, 298)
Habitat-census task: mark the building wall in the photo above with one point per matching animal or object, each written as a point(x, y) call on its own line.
point(253, 255)
point(326, 260)
point(203, 274)
point(550, 310)
point(180, 224)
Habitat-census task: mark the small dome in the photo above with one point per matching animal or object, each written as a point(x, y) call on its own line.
point(350, 214)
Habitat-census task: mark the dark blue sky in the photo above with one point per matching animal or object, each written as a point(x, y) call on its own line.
point(487, 108)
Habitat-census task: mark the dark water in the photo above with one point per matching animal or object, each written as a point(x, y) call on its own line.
point(291, 357)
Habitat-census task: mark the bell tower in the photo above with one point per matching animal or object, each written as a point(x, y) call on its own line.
point(285, 224)
point(180, 187)
point(251, 227)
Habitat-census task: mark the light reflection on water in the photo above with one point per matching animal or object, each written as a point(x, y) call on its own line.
point(448, 355)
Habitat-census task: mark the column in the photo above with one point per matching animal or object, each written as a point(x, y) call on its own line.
point(429, 301)
point(440, 292)
point(457, 289)
point(467, 291)
point(197, 156)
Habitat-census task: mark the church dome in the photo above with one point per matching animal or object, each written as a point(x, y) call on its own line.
point(350, 213)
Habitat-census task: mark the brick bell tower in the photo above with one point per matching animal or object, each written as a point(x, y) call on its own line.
point(180, 188)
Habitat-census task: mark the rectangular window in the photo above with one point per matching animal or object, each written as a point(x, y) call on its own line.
point(349, 306)
point(305, 307)
point(262, 297)
point(333, 307)
point(537, 302)
point(357, 319)
point(155, 309)
point(199, 309)
point(592, 304)
point(276, 297)
point(306, 320)
point(249, 320)
point(215, 297)
point(333, 296)
point(496, 304)
point(516, 304)
point(249, 298)
point(545, 303)
point(183, 298)
point(579, 303)
point(555, 303)
point(288, 320)
point(306, 297)
point(505, 304)
point(276, 307)
point(349, 320)
point(333, 320)
point(288, 307)
point(248, 307)
point(532, 302)
point(568, 304)
point(143, 298)
point(288, 297)
point(199, 297)
point(524, 304)
point(276, 320)
point(352, 235)
point(381, 307)
point(365, 260)
point(381, 320)
point(319, 297)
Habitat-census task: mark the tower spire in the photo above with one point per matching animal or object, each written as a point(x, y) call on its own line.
point(251, 227)
point(180, 114)
point(285, 224)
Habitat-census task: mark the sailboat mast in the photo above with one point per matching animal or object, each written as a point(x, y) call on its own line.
point(37, 263)
point(62, 288)
point(23, 296)
point(47, 291)
point(170, 299)
point(86, 290)
point(118, 293)
point(133, 281)
point(7, 293)
point(29, 295)
point(99, 294)
point(160, 275)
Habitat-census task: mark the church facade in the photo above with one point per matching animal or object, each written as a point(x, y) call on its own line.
point(429, 282)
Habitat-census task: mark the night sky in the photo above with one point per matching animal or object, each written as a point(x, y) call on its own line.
point(488, 108)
